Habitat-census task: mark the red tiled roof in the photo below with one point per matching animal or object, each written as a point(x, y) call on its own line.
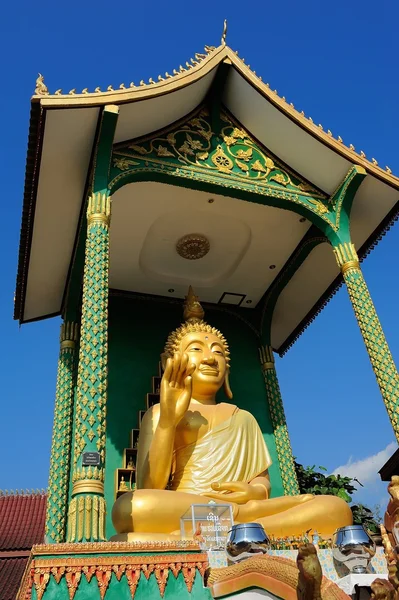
point(11, 571)
point(22, 519)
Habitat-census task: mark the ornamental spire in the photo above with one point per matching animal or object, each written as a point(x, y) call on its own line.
point(193, 311)
point(224, 34)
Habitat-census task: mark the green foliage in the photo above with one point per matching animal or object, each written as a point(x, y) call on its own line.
point(364, 516)
point(316, 482)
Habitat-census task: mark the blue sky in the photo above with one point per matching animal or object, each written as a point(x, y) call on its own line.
point(335, 60)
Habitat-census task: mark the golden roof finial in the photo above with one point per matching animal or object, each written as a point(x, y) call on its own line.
point(193, 310)
point(224, 34)
point(388, 170)
point(41, 88)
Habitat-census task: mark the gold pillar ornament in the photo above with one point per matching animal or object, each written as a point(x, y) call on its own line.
point(87, 507)
point(280, 429)
point(57, 499)
point(377, 348)
point(193, 449)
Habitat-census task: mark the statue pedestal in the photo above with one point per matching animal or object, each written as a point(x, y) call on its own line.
point(94, 571)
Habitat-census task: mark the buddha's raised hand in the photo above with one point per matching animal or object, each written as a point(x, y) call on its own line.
point(176, 390)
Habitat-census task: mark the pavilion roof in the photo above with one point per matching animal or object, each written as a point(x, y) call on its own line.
point(22, 520)
point(61, 140)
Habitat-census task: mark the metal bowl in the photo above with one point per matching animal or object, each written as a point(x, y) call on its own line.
point(353, 547)
point(245, 540)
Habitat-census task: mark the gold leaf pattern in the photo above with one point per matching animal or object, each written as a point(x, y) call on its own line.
point(162, 151)
point(279, 177)
point(138, 149)
point(202, 151)
point(222, 161)
point(269, 163)
point(242, 166)
point(244, 154)
point(257, 166)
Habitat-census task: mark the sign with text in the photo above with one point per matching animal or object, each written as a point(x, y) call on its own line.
point(209, 524)
point(91, 459)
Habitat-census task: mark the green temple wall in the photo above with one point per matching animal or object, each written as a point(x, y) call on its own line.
point(138, 329)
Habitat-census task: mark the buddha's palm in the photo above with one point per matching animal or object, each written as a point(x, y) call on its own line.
point(176, 390)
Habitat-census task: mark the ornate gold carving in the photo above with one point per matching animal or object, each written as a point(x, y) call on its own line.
point(95, 518)
point(346, 257)
point(87, 486)
point(266, 357)
point(41, 89)
point(161, 573)
point(133, 576)
point(88, 517)
point(72, 577)
point(101, 519)
point(193, 310)
point(103, 578)
point(71, 520)
point(69, 332)
point(69, 549)
point(189, 575)
point(187, 151)
point(222, 162)
point(99, 209)
point(81, 508)
point(130, 566)
point(40, 581)
point(193, 246)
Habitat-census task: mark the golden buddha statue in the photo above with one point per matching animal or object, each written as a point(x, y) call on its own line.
point(194, 450)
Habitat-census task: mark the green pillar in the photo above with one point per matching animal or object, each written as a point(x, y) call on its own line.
point(283, 444)
point(371, 330)
point(57, 498)
point(86, 515)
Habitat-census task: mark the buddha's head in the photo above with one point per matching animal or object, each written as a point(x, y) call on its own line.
point(205, 346)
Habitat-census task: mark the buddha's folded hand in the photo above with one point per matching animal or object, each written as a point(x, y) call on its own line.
point(176, 390)
point(239, 492)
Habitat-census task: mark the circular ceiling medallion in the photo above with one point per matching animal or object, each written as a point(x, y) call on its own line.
point(193, 246)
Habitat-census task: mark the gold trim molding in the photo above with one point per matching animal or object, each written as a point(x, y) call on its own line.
point(115, 547)
point(88, 486)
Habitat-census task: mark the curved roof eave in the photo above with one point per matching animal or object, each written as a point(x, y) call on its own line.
point(203, 65)
point(43, 104)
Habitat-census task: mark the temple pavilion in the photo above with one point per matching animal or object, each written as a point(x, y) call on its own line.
point(204, 177)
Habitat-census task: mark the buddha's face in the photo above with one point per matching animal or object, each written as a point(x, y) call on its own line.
point(206, 351)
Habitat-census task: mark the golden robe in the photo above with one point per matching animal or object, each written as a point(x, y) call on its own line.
point(231, 451)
